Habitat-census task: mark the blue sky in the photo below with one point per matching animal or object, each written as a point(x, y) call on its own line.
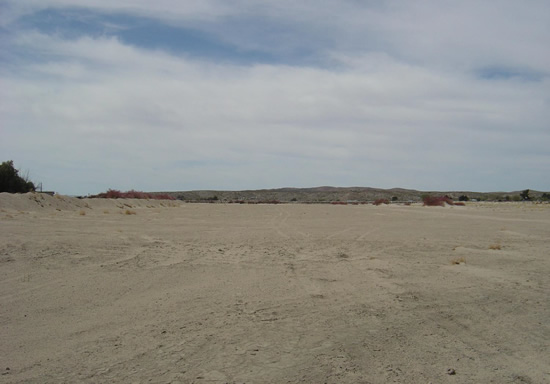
point(210, 94)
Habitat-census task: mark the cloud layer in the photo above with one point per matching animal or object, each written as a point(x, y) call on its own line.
point(427, 96)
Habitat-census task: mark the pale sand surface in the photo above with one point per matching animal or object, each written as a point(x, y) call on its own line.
point(214, 293)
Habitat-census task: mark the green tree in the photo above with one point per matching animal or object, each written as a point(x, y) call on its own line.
point(11, 182)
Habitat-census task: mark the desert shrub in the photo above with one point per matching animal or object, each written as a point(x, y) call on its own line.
point(132, 194)
point(129, 212)
point(461, 203)
point(495, 247)
point(82, 212)
point(394, 198)
point(339, 203)
point(380, 201)
point(525, 195)
point(11, 182)
point(463, 198)
point(434, 201)
point(162, 196)
point(545, 196)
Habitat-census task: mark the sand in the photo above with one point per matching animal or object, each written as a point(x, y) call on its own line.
point(215, 293)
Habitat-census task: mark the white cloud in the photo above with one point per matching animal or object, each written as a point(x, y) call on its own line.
point(134, 118)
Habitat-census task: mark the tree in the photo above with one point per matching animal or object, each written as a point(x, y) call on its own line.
point(525, 195)
point(463, 198)
point(11, 182)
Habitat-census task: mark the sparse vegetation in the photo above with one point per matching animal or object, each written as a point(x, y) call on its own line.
point(380, 202)
point(12, 182)
point(132, 194)
point(495, 247)
point(129, 212)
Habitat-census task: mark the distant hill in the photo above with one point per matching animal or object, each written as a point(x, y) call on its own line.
point(326, 194)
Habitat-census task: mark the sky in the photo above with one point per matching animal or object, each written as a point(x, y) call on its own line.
point(176, 95)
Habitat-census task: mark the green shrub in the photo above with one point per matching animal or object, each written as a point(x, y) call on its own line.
point(11, 182)
point(525, 195)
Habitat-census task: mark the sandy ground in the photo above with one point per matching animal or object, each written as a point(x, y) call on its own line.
point(213, 293)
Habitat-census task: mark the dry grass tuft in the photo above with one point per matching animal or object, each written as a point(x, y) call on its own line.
point(495, 247)
point(129, 212)
point(105, 211)
point(82, 212)
point(458, 261)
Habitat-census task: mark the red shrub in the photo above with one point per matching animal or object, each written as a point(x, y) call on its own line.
point(380, 201)
point(434, 201)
